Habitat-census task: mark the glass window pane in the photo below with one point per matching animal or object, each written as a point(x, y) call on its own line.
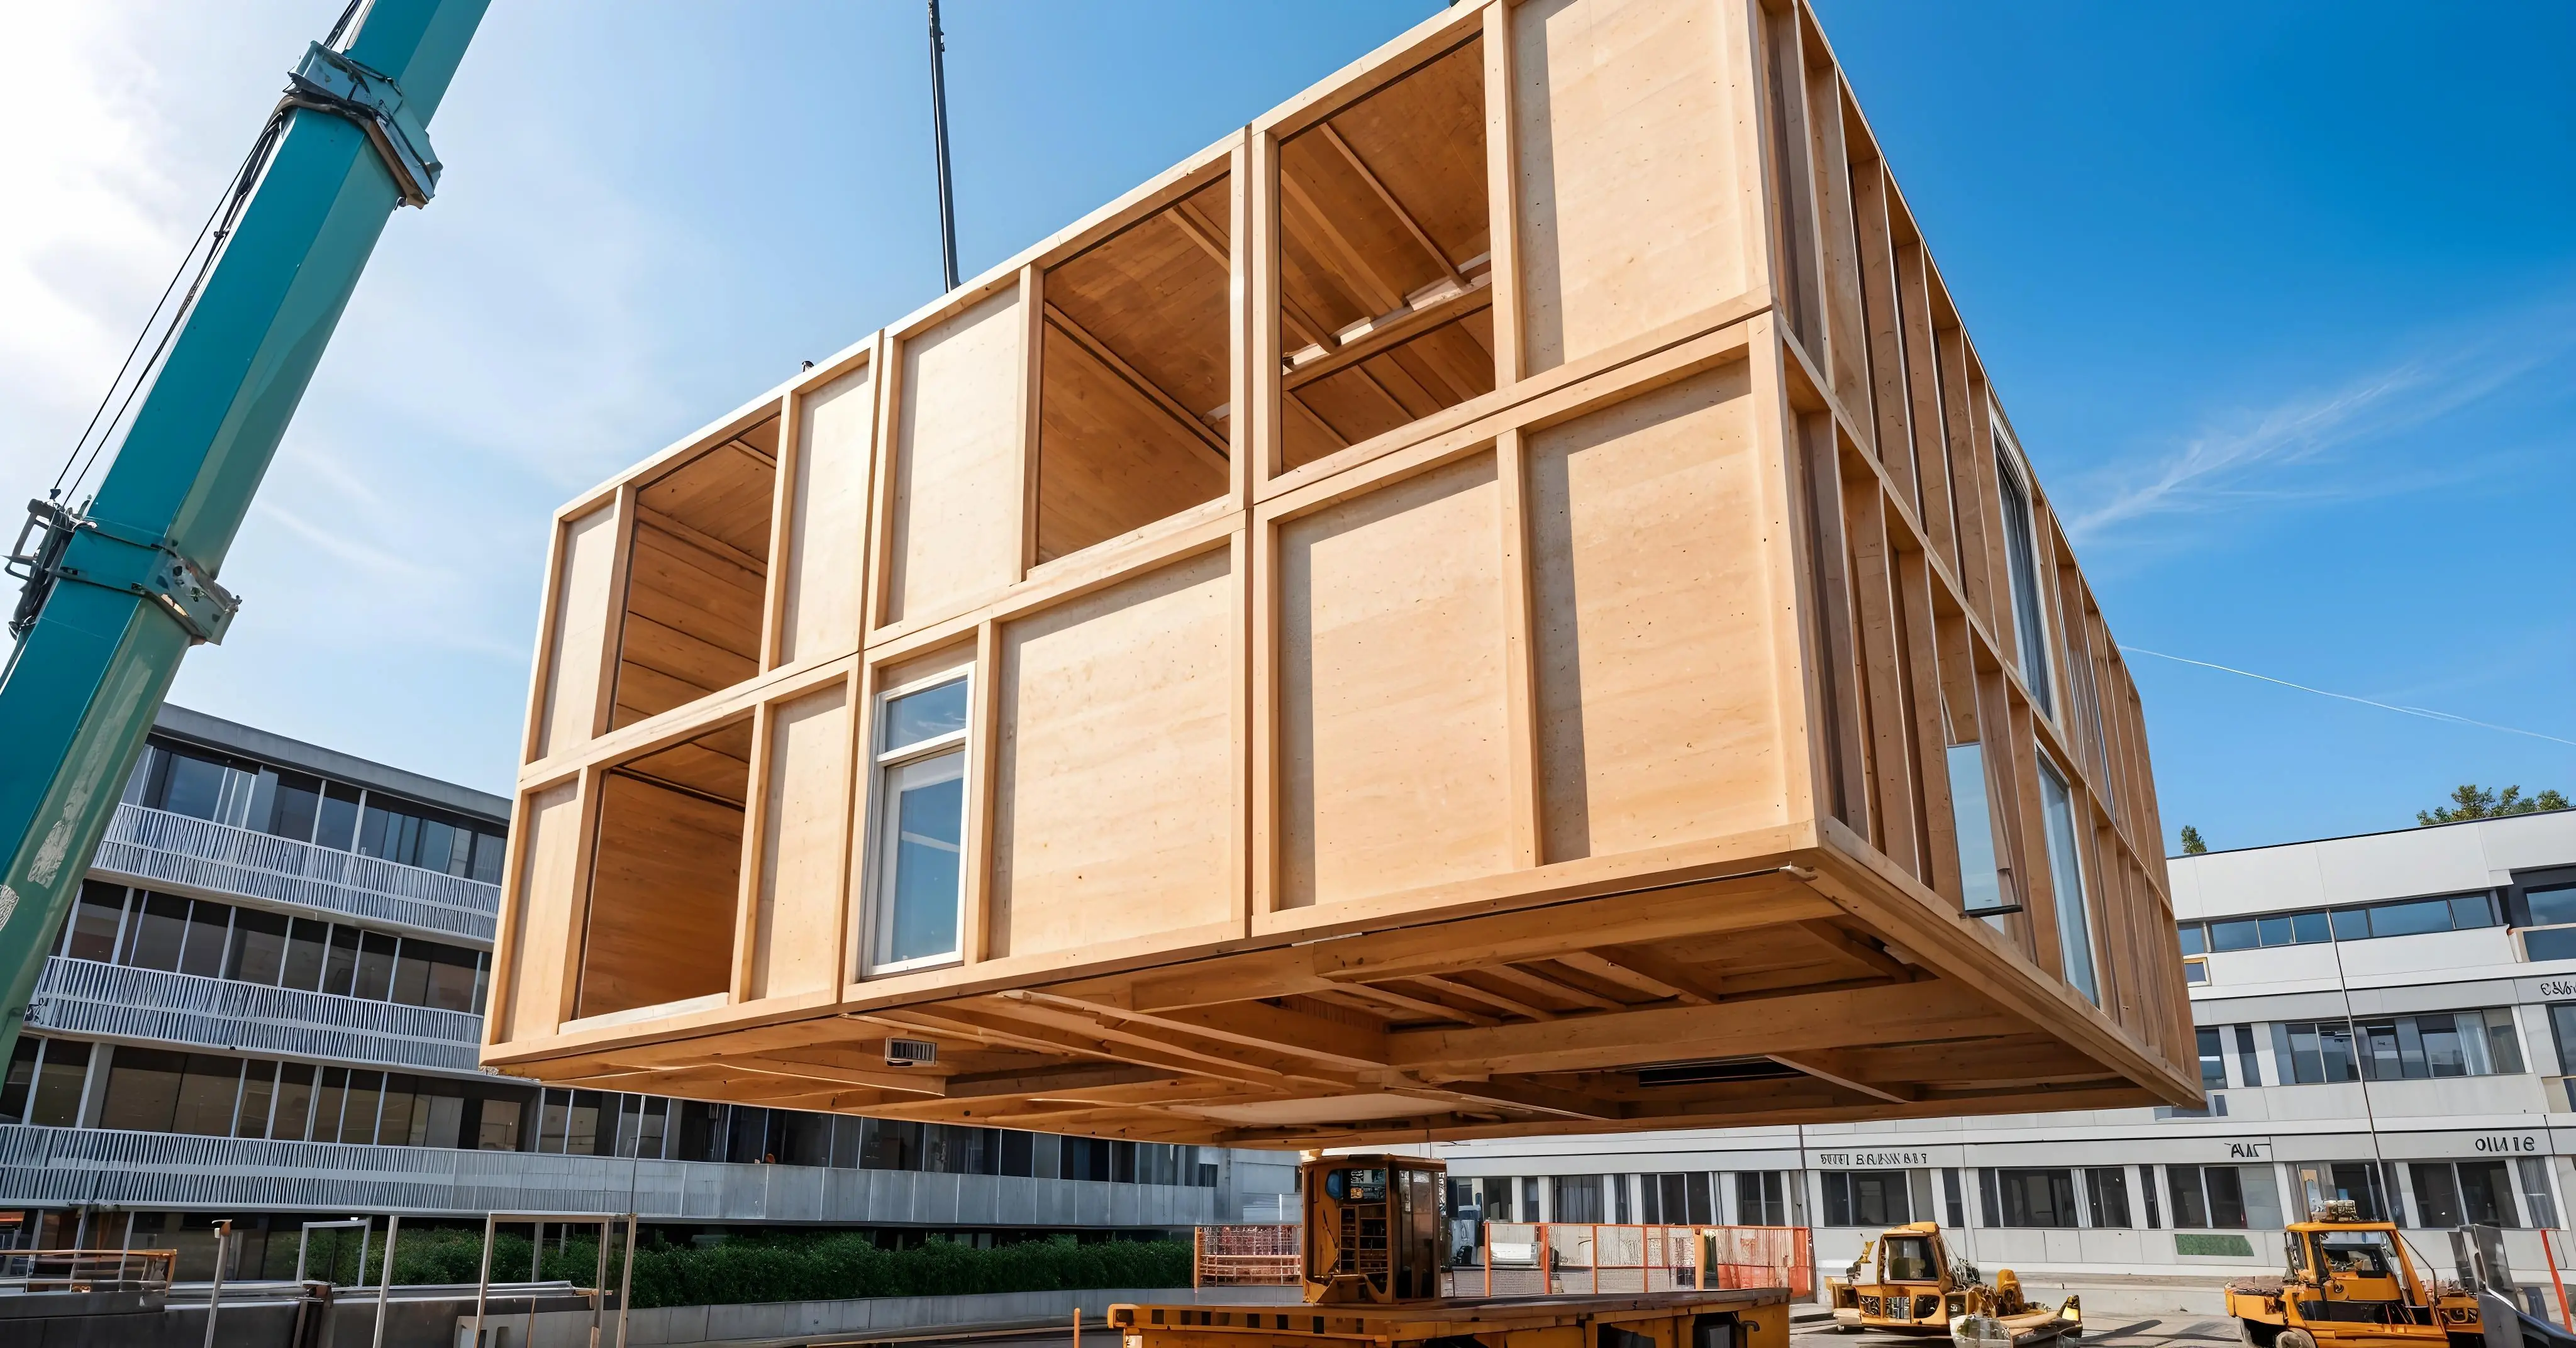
point(489, 848)
point(2027, 627)
point(2554, 904)
point(142, 1089)
point(328, 1094)
point(294, 1101)
point(259, 1082)
point(192, 786)
point(340, 962)
point(2066, 877)
point(2213, 1060)
point(924, 830)
point(2195, 971)
point(446, 975)
point(209, 926)
point(2195, 940)
point(358, 1112)
point(2443, 1055)
point(2504, 1049)
point(2275, 929)
point(648, 1136)
point(2410, 919)
point(1972, 814)
point(925, 715)
point(400, 1120)
point(2190, 1208)
point(58, 1089)
point(154, 935)
point(94, 922)
point(2311, 927)
point(21, 1080)
point(375, 967)
point(339, 818)
point(2335, 1042)
point(259, 947)
point(2241, 934)
point(206, 1096)
point(2471, 911)
point(2351, 924)
point(294, 807)
point(304, 945)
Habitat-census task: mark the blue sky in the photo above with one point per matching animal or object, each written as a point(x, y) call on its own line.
point(2282, 300)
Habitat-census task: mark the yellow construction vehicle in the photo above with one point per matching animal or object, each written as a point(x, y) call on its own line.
point(1909, 1281)
point(2350, 1284)
point(1374, 1232)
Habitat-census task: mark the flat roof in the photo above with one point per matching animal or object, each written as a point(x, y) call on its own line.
point(251, 742)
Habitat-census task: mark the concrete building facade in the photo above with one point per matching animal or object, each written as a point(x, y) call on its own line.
point(2389, 1018)
point(268, 1002)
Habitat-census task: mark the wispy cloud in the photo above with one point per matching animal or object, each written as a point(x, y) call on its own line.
point(2268, 454)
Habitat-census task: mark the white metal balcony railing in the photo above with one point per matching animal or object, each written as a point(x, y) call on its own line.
point(56, 1167)
point(151, 846)
point(84, 997)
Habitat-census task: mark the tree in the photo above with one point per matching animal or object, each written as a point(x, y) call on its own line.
point(2471, 801)
point(2192, 846)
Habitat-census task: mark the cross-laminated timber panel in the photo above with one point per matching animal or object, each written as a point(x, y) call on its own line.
point(1583, 674)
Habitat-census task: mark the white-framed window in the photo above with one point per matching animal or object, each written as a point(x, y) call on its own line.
point(2066, 877)
point(917, 872)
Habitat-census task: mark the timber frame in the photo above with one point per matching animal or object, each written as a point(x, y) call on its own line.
point(1473, 594)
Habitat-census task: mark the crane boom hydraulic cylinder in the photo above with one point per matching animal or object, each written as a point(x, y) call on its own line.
point(127, 584)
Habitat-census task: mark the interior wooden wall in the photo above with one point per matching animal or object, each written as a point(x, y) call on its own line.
point(1671, 533)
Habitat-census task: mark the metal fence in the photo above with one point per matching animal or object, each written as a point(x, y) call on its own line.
point(85, 1270)
point(44, 1167)
point(152, 846)
point(1263, 1254)
point(123, 1002)
point(1562, 1258)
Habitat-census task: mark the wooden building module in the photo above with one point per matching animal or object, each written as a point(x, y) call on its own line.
point(1498, 597)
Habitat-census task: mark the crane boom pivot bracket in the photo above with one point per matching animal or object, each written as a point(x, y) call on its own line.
point(328, 81)
point(97, 552)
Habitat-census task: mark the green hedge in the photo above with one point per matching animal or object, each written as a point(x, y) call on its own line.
point(791, 1267)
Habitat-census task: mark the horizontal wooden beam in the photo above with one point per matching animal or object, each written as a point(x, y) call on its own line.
point(1901, 1012)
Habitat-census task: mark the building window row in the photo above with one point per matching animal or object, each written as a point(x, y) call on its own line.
point(2474, 1043)
point(2508, 1193)
point(2403, 917)
point(228, 789)
point(150, 1090)
point(605, 1123)
point(1689, 1198)
point(116, 925)
point(218, 1095)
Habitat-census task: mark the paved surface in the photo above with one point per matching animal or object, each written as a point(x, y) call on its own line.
point(2117, 1331)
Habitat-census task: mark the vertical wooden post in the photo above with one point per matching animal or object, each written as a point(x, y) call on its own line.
point(1502, 197)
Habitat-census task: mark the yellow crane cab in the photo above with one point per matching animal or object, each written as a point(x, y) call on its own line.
point(2351, 1284)
point(1909, 1281)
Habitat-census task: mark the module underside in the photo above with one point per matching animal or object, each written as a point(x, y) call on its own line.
point(1756, 997)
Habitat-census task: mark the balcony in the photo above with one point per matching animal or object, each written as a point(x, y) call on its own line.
point(53, 1167)
point(84, 997)
point(157, 848)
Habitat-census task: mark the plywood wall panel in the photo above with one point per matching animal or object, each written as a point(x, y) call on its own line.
point(588, 556)
point(1116, 777)
point(541, 917)
point(1630, 216)
point(1394, 730)
point(956, 512)
point(1658, 706)
point(662, 898)
point(804, 837)
point(827, 519)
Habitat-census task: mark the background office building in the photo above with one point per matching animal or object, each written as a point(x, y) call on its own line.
point(267, 1005)
point(2388, 1018)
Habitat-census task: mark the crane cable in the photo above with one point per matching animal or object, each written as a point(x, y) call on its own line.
point(219, 223)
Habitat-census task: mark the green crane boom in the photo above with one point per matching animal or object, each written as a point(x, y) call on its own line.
point(119, 590)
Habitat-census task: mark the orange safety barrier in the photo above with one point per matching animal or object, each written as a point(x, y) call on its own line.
point(1260, 1254)
point(1562, 1258)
